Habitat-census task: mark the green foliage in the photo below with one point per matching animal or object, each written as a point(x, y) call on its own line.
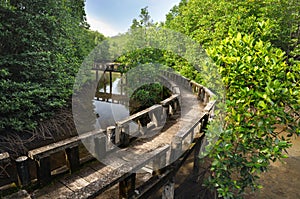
point(147, 95)
point(42, 44)
point(211, 21)
point(255, 45)
point(258, 91)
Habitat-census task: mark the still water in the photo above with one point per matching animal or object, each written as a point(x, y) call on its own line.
point(109, 113)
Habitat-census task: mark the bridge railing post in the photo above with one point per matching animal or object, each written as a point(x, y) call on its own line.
point(43, 165)
point(156, 116)
point(100, 146)
point(169, 189)
point(72, 156)
point(176, 148)
point(127, 187)
point(159, 162)
point(22, 165)
point(112, 136)
point(122, 132)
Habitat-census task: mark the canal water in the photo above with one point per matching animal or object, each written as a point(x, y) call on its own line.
point(110, 112)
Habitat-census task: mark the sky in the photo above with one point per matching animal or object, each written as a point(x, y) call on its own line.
point(111, 17)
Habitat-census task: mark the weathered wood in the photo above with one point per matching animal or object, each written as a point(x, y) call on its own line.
point(100, 147)
point(209, 106)
point(110, 178)
point(88, 187)
point(47, 150)
point(23, 171)
point(159, 162)
point(73, 161)
point(169, 100)
point(127, 186)
point(189, 128)
point(138, 115)
point(112, 137)
point(156, 116)
point(56, 190)
point(124, 135)
point(169, 190)
point(43, 170)
point(110, 81)
point(176, 148)
point(196, 166)
point(74, 182)
point(22, 194)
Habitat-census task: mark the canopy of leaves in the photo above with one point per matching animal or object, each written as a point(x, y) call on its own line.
point(251, 43)
point(42, 44)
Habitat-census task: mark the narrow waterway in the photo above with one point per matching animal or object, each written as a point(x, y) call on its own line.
point(108, 111)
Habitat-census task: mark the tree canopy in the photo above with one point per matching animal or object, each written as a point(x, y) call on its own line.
point(42, 46)
point(255, 45)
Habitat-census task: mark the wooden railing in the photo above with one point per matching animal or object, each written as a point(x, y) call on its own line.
point(119, 135)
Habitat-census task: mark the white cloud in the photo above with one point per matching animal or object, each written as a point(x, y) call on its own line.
point(101, 26)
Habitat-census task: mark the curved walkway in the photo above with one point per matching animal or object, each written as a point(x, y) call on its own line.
point(154, 150)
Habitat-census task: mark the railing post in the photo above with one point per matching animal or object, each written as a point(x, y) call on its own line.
point(23, 171)
point(156, 116)
point(124, 136)
point(169, 189)
point(176, 148)
point(43, 170)
point(127, 187)
point(100, 147)
point(112, 136)
point(73, 158)
point(159, 162)
point(196, 167)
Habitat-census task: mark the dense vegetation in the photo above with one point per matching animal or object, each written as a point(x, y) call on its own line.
point(255, 45)
point(42, 45)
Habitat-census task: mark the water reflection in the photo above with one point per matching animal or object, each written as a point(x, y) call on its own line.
point(109, 112)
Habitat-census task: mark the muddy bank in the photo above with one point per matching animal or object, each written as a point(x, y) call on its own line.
point(283, 179)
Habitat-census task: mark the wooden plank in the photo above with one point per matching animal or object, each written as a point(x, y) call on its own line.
point(56, 190)
point(210, 106)
point(169, 100)
point(137, 115)
point(117, 175)
point(169, 190)
point(47, 150)
point(23, 171)
point(74, 182)
point(73, 158)
point(43, 170)
point(189, 129)
point(127, 186)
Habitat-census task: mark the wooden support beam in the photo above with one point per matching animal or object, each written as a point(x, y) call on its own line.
point(73, 160)
point(125, 135)
point(23, 171)
point(159, 162)
point(176, 148)
point(127, 186)
point(196, 167)
point(112, 137)
point(169, 190)
point(100, 147)
point(110, 82)
point(43, 166)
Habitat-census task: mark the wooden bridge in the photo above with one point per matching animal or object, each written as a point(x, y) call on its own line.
point(175, 129)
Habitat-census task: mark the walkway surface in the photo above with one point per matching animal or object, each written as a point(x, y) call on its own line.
point(82, 184)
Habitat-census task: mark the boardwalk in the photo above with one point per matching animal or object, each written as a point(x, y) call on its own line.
point(158, 146)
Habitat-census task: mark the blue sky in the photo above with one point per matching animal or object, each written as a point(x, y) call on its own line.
point(111, 17)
